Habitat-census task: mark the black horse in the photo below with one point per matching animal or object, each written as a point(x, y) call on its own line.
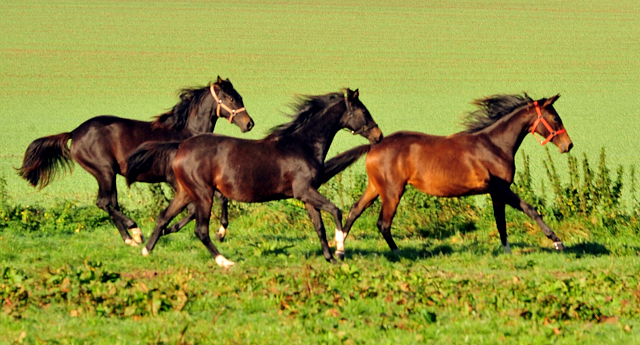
point(102, 144)
point(288, 163)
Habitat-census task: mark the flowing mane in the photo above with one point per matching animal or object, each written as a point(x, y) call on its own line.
point(305, 109)
point(176, 118)
point(492, 109)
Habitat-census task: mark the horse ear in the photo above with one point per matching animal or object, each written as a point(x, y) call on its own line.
point(356, 93)
point(551, 100)
point(219, 80)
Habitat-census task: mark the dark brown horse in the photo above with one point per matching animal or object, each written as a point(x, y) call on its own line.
point(478, 160)
point(288, 163)
point(102, 144)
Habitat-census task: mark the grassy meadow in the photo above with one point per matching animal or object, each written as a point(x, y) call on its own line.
point(69, 279)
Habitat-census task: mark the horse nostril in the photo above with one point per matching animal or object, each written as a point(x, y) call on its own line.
point(570, 147)
point(249, 125)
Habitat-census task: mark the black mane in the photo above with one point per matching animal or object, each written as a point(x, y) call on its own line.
point(190, 99)
point(492, 109)
point(305, 109)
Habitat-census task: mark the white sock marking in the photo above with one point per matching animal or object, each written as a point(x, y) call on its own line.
point(145, 252)
point(130, 242)
point(136, 233)
point(339, 240)
point(222, 232)
point(223, 262)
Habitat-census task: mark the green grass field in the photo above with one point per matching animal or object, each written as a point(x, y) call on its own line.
point(418, 66)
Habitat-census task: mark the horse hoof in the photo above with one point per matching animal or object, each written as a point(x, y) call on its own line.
point(145, 252)
point(340, 255)
point(130, 242)
point(558, 246)
point(507, 249)
point(223, 262)
point(136, 233)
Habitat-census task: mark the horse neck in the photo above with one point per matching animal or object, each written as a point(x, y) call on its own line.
point(509, 132)
point(319, 132)
point(204, 118)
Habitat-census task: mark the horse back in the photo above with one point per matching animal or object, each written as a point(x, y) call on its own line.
point(242, 169)
point(437, 165)
point(109, 140)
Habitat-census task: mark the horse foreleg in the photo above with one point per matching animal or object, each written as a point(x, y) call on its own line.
point(183, 222)
point(501, 224)
point(316, 219)
point(224, 216)
point(314, 202)
point(176, 206)
point(515, 201)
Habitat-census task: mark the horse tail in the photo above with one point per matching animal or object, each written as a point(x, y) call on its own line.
point(152, 155)
point(45, 158)
point(342, 161)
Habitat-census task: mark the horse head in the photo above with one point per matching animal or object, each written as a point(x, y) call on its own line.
point(549, 125)
point(229, 104)
point(357, 118)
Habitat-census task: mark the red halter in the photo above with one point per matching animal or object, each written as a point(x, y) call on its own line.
point(232, 112)
point(552, 133)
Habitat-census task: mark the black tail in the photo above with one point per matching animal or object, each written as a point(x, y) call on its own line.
point(151, 156)
point(337, 164)
point(45, 157)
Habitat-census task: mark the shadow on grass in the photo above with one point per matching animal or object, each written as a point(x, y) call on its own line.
point(588, 248)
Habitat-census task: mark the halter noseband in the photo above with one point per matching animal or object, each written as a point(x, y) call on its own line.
point(232, 112)
point(552, 133)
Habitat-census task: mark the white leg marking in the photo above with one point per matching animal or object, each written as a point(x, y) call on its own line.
point(145, 252)
point(223, 262)
point(507, 248)
point(558, 245)
point(222, 232)
point(339, 240)
point(130, 242)
point(136, 233)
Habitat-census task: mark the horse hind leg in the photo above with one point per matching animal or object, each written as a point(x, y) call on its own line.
point(390, 200)
point(368, 197)
point(108, 201)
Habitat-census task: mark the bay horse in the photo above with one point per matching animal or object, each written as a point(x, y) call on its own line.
point(478, 160)
point(102, 144)
point(287, 163)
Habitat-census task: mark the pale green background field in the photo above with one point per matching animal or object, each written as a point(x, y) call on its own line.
point(418, 65)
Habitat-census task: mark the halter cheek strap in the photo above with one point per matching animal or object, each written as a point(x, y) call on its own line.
point(552, 132)
point(232, 112)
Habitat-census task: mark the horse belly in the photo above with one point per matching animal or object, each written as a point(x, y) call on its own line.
point(451, 181)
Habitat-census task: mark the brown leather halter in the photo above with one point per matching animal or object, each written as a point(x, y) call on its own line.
point(552, 132)
point(232, 112)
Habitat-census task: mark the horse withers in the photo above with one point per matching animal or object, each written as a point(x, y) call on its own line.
point(288, 163)
point(102, 144)
point(478, 160)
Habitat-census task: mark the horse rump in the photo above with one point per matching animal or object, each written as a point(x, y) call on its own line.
point(45, 158)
